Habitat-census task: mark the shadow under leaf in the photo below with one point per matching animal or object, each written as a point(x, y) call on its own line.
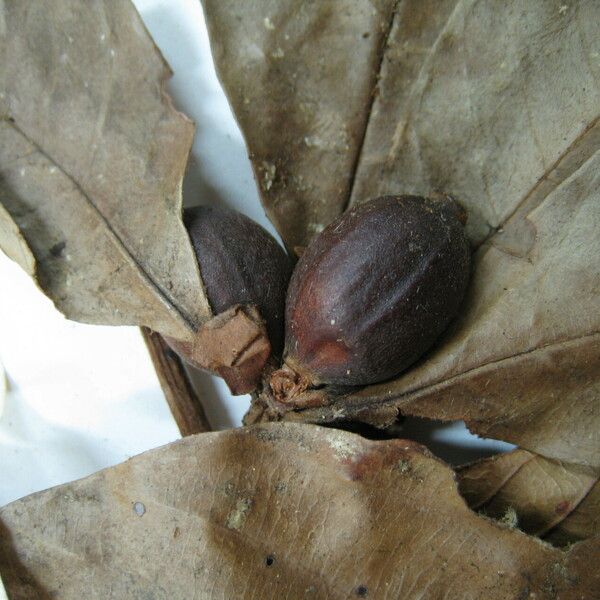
point(19, 583)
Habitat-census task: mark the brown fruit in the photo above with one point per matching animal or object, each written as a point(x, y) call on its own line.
point(372, 292)
point(240, 263)
point(245, 274)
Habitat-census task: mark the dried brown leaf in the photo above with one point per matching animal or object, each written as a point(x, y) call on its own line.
point(277, 511)
point(300, 77)
point(484, 100)
point(552, 499)
point(92, 155)
point(581, 523)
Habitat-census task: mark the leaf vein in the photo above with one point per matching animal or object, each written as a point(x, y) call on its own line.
point(163, 295)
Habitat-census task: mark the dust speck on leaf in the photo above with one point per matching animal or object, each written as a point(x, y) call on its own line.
point(403, 466)
point(510, 518)
point(237, 517)
point(269, 171)
point(342, 447)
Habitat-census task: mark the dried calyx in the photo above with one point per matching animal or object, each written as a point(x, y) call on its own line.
point(371, 294)
point(245, 274)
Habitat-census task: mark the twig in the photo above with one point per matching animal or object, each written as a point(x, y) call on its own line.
point(183, 401)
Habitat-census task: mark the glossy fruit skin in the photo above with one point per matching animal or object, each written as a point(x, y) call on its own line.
point(375, 289)
point(240, 263)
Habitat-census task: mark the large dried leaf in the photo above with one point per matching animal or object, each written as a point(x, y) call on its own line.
point(493, 103)
point(92, 155)
point(277, 511)
point(557, 500)
point(299, 76)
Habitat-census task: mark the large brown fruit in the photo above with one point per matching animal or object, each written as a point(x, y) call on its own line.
point(373, 292)
point(240, 263)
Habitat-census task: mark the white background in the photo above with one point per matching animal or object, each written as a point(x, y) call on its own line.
point(83, 397)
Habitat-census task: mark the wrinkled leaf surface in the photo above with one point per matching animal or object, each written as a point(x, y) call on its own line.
point(277, 511)
point(559, 501)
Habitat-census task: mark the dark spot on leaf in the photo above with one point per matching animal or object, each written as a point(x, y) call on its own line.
point(562, 507)
point(58, 249)
point(366, 34)
point(362, 591)
point(269, 560)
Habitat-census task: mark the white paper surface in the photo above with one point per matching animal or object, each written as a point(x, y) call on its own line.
point(80, 397)
point(3, 386)
point(83, 397)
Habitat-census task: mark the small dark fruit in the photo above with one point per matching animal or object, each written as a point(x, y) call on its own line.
point(243, 269)
point(372, 292)
point(240, 263)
